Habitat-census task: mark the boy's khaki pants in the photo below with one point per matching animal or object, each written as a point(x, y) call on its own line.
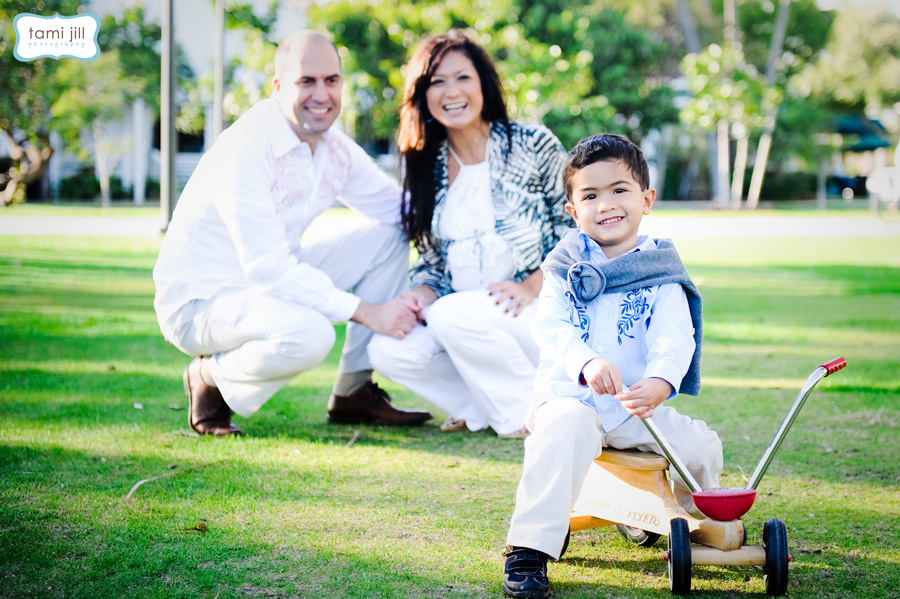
point(567, 436)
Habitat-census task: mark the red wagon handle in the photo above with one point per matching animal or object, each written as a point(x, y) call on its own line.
point(834, 365)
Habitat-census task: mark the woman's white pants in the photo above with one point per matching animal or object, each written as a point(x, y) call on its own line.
point(472, 360)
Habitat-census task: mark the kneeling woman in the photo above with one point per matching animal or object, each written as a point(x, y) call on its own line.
point(484, 206)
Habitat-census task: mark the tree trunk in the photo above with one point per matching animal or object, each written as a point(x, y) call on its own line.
point(692, 41)
point(28, 165)
point(721, 191)
point(102, 161)
point(762, 157)
point(688, 26)
point(740, 166)
point(765, 140)
point(821, 189)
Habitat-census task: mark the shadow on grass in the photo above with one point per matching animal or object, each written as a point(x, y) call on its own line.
point(136, 558)
point(84, 264)
point(36, 397)
point(307, 530)
point(220, 525)
point(111, 302)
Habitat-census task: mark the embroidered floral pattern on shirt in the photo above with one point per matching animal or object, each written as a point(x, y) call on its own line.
point(631, 310)
point(288, 186)
point(336, 178)
point(579, 313)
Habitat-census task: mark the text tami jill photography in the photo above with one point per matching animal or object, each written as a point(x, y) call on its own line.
point(57, 38)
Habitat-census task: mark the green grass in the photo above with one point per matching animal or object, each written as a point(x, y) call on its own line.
point(291, 510)
point(118, 209)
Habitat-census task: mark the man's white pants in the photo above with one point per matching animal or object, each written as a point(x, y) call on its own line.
point(257, 343)
point(567, 436)
point(472, 360)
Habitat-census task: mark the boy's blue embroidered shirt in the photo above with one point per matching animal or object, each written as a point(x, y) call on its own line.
point(646, 332)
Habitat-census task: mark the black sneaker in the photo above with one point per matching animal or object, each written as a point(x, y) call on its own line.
point(525, 574)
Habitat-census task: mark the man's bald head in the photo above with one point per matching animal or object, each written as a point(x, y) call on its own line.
point(291, 49)
point(307, 84)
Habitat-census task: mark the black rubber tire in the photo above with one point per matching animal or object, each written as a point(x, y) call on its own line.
point(775, 572)
point(679, 557)
point(637, 536)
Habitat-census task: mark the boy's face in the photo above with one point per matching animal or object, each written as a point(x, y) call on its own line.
point(608, 204)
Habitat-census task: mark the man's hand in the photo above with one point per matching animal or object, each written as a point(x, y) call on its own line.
point(644, 396)
point(602, 377)
point(394, 318)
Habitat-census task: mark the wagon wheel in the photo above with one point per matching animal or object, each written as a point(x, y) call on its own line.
point(679, 557)
point(775, 572)
point(637, 536)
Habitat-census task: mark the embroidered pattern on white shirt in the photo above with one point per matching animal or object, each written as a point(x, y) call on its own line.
point(337, 171)
point(631, 311)
point(578, 317)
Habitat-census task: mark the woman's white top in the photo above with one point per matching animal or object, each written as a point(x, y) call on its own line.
point(477, 255)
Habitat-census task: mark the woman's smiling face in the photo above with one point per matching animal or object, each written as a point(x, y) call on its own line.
point(454, 94)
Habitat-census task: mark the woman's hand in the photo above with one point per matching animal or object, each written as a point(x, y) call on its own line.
point(422, 296)
point(517, 295)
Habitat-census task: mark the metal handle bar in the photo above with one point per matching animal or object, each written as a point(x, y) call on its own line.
point(817, 375)
point(691, 482)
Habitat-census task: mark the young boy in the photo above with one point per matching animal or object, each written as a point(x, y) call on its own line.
point(619, 329)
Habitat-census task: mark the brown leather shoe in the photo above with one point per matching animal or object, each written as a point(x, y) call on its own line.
point(371, 405)
point(208, 414)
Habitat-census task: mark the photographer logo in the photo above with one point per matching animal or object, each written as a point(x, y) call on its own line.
point(56, 37)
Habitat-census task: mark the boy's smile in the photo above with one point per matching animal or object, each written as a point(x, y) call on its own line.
point(608, 204)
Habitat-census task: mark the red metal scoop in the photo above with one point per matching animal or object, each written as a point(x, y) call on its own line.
point(730, 503)
point(724, 503)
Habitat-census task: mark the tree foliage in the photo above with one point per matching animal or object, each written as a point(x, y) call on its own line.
point(555, 67)
point(90, 95)
point(808, 30)
point(94, 94)
point(136, 41)
point(26, 94)
point(860, 67)
point(247, 77)
point(70, 95)
point(726, 88)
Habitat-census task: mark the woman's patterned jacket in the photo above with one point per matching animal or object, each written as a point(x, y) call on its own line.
point(529, 202)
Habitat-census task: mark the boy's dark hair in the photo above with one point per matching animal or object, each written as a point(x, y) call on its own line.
point(606, 147)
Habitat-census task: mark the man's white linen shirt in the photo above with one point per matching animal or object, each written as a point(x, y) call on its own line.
point(240, 218)
point(645, 333)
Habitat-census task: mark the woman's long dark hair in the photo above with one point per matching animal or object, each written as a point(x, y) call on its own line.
point(421, 135)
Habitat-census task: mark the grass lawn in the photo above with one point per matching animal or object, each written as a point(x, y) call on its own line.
point(118, 209)
point(91, 403)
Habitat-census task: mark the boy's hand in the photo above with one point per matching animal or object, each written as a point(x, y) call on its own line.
point(602, 377)
point(644, 396)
